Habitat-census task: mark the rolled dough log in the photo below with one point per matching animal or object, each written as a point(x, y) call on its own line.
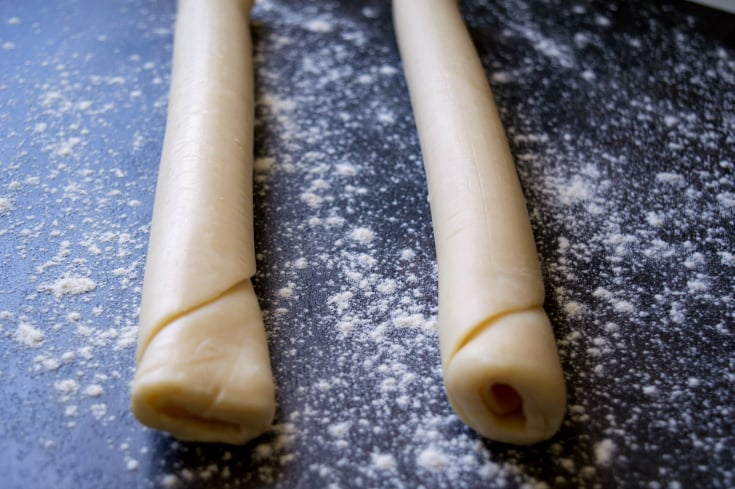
point(501, 367)
point(203, 368)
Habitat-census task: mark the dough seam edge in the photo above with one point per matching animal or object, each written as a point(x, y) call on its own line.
point(167, 320)
point(488, 323)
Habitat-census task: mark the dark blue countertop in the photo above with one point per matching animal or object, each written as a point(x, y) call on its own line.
point(621, 117)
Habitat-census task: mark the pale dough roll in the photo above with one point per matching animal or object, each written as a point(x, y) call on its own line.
point(501, 366)
point(206, 375)
point(203, 369)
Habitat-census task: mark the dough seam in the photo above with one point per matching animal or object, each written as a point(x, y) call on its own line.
point(485, 324)
point(166, 321)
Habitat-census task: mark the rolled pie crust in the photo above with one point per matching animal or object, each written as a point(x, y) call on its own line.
point(501, 367)
point(203, 369)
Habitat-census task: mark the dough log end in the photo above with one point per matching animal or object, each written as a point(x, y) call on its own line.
point(186, 413)
point(206, 376)
point(507, 382)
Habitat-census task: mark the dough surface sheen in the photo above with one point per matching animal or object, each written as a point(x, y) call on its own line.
point(203, 369)
point(501, 367)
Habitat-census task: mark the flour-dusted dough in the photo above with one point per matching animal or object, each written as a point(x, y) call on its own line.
point(203, 368)
point(501, 366)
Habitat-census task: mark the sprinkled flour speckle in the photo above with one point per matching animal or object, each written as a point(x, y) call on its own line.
point(28, 335)
point(70, 285)
point(432, 459)
point(604, 452)
point(362, 235)
point(383, 461)
point(5, 204)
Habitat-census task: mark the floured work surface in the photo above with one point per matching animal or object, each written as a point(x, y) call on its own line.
point(618, 124)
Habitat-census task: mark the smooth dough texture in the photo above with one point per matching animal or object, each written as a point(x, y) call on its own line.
point(501, 367)
point(203, 369)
